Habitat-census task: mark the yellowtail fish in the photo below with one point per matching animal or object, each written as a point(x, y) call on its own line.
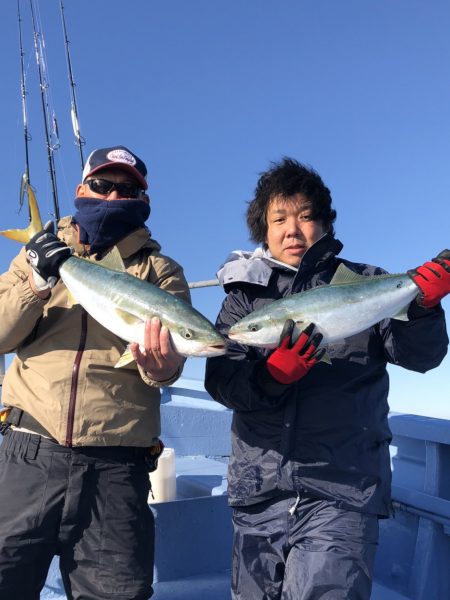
point(350, 304)
point(122, 303)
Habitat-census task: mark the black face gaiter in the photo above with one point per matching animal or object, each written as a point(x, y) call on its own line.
point(103, 223)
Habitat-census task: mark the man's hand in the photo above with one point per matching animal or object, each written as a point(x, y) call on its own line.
point(433, 280)
point(290, 362)
point(158, 358)
point(45, 253)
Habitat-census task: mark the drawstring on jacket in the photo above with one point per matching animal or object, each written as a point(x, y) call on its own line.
point(294, 507)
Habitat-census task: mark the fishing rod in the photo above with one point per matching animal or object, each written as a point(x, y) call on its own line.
point(23, 91)
point(79, 140)
point(45, 111)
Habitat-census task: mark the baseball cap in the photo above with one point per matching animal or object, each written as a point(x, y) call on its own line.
point(118, 157)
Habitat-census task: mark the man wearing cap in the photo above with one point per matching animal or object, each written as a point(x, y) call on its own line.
point(81, 436)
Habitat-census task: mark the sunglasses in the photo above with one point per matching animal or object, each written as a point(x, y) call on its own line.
point(105, 187)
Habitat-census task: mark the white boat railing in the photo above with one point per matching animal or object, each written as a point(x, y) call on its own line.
point(205, 283)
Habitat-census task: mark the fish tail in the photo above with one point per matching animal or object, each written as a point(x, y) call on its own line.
point(25, 235)
point(125, 359)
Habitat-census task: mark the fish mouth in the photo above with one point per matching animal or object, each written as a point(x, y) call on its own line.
point(215, 350)
point(238, 335)
point(242, 338)
point(246, 340)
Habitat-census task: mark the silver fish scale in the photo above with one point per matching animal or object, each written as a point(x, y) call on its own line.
point(338, 310)
point(122, 303)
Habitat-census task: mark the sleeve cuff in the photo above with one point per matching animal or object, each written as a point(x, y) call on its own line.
point(160, 384)
point(415, 311)
point(266, 382)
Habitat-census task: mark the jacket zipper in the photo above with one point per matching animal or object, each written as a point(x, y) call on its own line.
point(74, 383)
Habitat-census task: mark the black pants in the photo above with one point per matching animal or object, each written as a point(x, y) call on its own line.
point(302, 548)
point(87, 505)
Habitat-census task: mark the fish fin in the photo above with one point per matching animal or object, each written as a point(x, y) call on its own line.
point(18, 235)
point(302, 326)
point(35, 216)
point(71, 300)
point(402, 314)
point(113, 261)
point(326, 359)
point(125, 359)
point(345, 275)
point(25, 235)
point(126, 316)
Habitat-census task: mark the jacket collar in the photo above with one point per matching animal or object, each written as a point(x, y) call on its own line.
point(320, 252)
point(257, 267)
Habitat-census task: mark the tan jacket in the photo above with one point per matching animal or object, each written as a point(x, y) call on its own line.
point(63, 372)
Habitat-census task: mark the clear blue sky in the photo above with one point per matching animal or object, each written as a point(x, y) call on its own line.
point(210, 92)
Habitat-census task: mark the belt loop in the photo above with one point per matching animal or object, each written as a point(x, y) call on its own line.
point(32, 446)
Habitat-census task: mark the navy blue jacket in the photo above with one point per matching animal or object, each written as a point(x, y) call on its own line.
point(327, 434)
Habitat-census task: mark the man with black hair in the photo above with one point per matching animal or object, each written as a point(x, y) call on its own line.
point(80, 436)
point(309, 474)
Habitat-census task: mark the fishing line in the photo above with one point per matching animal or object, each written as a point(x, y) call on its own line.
point(79, 140)
point(52, 122)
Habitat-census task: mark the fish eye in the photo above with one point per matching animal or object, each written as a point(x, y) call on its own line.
point(253, 327)
point(187, 334)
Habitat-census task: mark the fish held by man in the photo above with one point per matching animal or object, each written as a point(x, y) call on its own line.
point(122, 303)
point(350, 304)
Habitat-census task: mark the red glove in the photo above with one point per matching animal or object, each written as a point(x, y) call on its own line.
point(290, 362)
point(433, 279)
